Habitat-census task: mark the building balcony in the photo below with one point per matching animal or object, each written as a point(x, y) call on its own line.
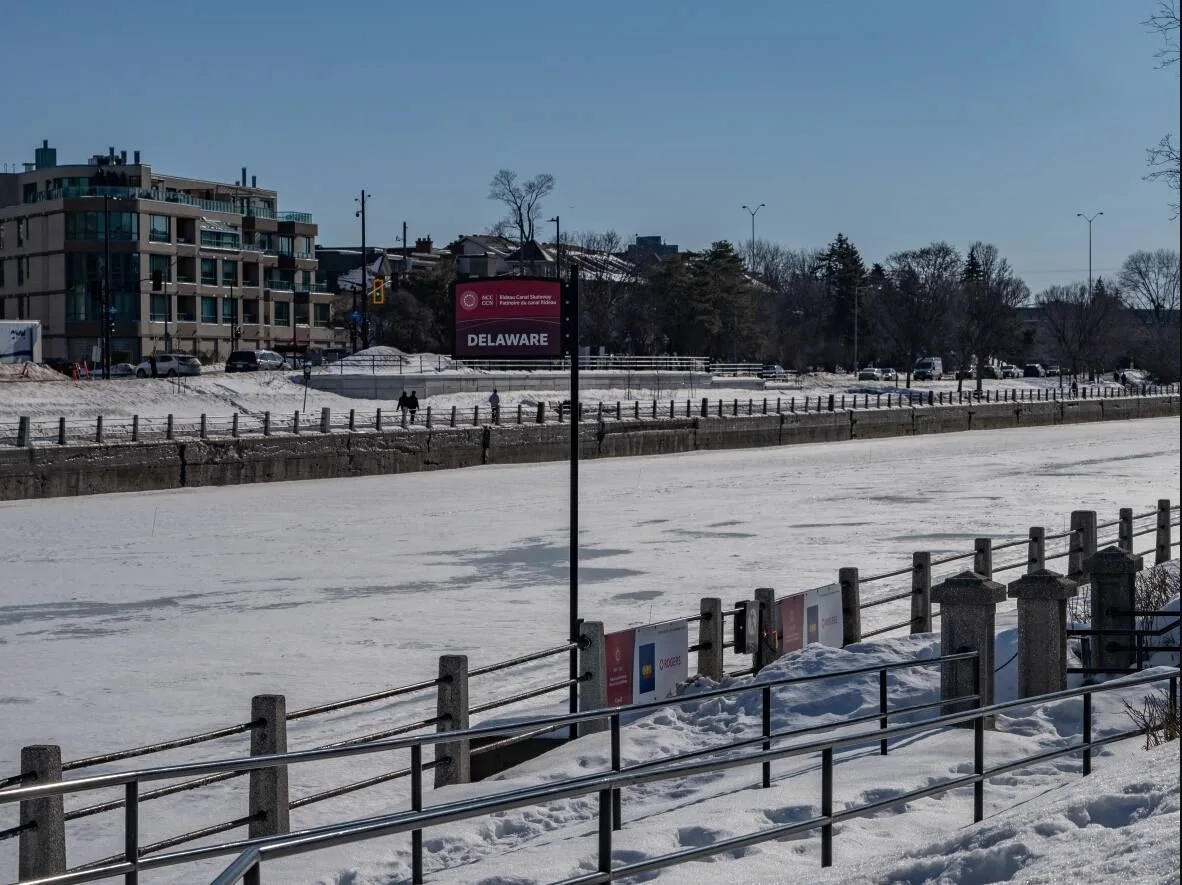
point(136, 193)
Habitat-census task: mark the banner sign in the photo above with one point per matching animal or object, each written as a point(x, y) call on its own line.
point(645, 663)
point(811, 616)
point(662, 660)
point(619, 659)
point(507, 318)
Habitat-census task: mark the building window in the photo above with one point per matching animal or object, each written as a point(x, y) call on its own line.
point(85, 277)
point(125, 226)
point(320, 315)
point(250, 312)
point(161, 264)
point(159, 228)
point(209, 310)
point(209, 271)
point(2, 263)
point(282, 313)
point(186, 308)
point(20, 271)
point(229, 273)
point(20, 232)
point(230, 310)
point(283, 245)
point(158, 307)
point(221, 238)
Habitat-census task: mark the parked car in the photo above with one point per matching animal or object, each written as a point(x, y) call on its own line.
point(1054, 371)
point(992, 372)
point(870, 374)
point(1009, 370)
point(169, 365)
point(123, 370)
point(772, 370)
point(929, 368)
point(254, 361)
point(1033, 370)
point(889, 374)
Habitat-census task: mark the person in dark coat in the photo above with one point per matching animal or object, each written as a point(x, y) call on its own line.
point(403, 401)
point(412, 403)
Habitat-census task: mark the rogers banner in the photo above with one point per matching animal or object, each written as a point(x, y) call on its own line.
point(507, 318)
point(662, 660)
point(811, 616)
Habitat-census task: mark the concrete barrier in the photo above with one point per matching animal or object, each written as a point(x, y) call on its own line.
point(87, 469)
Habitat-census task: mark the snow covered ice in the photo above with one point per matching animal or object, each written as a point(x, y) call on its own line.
point(133, 618)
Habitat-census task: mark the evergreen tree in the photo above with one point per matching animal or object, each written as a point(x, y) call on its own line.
point(844, 273)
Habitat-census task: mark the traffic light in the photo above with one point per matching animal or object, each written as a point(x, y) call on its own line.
point(377, 294)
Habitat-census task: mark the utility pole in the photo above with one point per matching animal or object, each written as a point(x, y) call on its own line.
point(107, 311)
point(364, 276)
point(557, 247)
point(1089, 221)
point(753, 213)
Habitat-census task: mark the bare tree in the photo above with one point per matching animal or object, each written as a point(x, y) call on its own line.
point(606, 282)
point(522, 201)
point(1079, 322)
point(987, 315)
point(913, 307)
point(1163, 157)
point(1149, 281)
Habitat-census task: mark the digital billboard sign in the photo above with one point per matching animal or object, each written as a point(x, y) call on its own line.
point(507, 318)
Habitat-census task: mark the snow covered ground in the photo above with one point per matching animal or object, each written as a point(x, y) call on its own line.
point(132, 618)
point(219, 395)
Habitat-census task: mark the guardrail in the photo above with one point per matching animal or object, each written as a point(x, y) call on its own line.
point(39, 431)
point(763, 750)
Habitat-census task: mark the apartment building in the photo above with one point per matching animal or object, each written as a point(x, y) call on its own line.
point(177, 264)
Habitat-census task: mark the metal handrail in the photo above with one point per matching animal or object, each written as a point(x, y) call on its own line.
point(523, 659)
point(359, 830)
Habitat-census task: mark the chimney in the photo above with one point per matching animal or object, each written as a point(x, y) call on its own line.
point(244, 176)
point(254, 181)
point(136, 156)
point(123, 157)
point(111, 152)
point(45, 142)
point(423, 244)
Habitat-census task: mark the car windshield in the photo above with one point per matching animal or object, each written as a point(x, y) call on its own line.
point(247, 355)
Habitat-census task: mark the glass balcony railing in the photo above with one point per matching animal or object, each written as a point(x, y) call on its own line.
point(310, 287)
point(137, 193)
point(281, 285)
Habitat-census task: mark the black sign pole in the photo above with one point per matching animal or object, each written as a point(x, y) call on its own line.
point(573, 308)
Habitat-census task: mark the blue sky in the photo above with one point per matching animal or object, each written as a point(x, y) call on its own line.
point(897, 123)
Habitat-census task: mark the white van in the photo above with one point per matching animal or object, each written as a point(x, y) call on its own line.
point(929, 368)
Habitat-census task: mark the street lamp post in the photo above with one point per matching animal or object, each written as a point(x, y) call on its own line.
point(1089, 220)
point(557, 222)
point(105, 331)
point(753, 213)
point(364, 274)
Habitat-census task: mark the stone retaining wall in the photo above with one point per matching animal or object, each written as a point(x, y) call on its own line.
point(55, 471)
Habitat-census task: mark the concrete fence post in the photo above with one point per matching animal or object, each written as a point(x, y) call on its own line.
point(203, 425)
point(1036, 549)
point(1042, 631)
point(851, 606)
point(98, 429)
point(429, 419)
point(1075, 555)
point(234, 426)
point(1162, 551)
point(404, 419)
point(453, 416)
point(325, 419)
point(22, 431)
point(921, 592)
point(768, 647)
point(61, 431)
point(968, 615)
point(352, 420)
point(983, 557)
point(295, 422)
point(705, 407)
point(377, 420)
point(268, 786)
point(1113, 576)
point(593, 669)
point(266, 423)
point(454, 758)
point(1084, 521)
point(135, 427)
point(710, 638)
point(541, 417)
point(1124, 532)
point(519, 414)
point(42, 850)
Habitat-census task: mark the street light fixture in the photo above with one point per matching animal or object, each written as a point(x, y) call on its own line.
point(557, 222)
point(753, 213)
point(1089, 220)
